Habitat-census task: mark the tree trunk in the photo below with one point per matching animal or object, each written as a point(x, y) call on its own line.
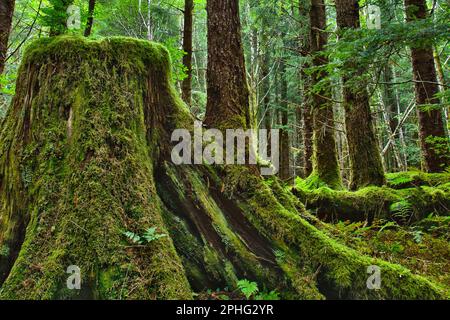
point(442, 83)
point(6, 16)
point(89, 120)
point(325, 162)
point(431, 125)
point(228, 94)
point(186, 86)
point(307, 115)
point(284, 142)
point(90, 19)
point(149, 20)
point(365, 161)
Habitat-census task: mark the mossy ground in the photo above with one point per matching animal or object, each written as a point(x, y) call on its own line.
point(85, 155)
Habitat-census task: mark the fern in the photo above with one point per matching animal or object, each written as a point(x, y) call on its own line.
point(248, 288)
point(151, 235)
point(148, 236)
point(133, 237)
point(401, 209)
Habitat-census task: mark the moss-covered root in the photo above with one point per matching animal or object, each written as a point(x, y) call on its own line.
point(76, 161)
point(340, 271)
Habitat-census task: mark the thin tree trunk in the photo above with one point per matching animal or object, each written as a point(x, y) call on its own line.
point(307, 116)
point(228, 95)
point(186, 86)
point(284, 143)
point(431, 124)
point(325, 162)
point(365, 160)
point(6, 16)
point(390, 133)
point(90, 20)
point(149, 20)
point(442, 81)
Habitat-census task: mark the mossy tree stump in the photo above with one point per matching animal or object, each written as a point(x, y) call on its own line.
point(85, 155)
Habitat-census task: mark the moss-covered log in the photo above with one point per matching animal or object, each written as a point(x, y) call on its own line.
point(85, 156)
point(401, 205)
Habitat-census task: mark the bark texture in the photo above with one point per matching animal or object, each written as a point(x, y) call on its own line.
point(325, 160)
point(366, 167)
point(6, 16)
point(228, 93)
point(90, 19)
point(431, 124)
point(306, 112)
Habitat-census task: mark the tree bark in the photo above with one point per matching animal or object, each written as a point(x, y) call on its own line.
point(186, 86)
point(307, 115)
point(6, 16)
point(284, 139)
point(90, 19)
point(228, 94)
point(366, 167)
point(325, 162)
point(431, 125)
point(442, 84)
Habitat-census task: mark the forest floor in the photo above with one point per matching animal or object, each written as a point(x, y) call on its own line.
point(397, 223)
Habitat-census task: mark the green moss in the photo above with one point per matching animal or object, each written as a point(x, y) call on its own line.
point(411, 179)
point(343, 271)
point(410, 204)
point(87, 136)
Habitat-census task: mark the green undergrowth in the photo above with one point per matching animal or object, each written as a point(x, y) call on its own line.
point(412, 179)
point(423, 246)
point(337, 270)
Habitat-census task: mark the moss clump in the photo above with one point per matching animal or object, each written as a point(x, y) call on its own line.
point(80, 132)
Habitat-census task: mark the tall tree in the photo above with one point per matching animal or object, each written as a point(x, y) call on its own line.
point(306, 112)
point(431, 124)
point(284, 141)
point(325, 162)
point(186, 86)
point(90, 19)
point(365, 161)
point(6, 15)
point(228, 93)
